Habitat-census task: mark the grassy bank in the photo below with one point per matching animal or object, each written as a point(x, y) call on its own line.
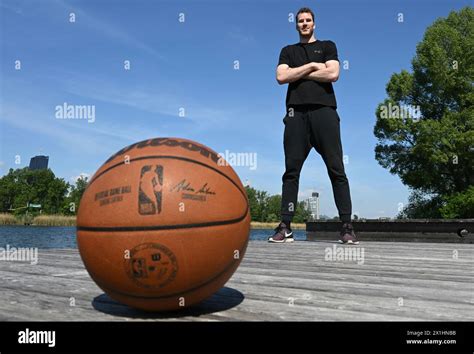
point(40, 220)
point(54, 220)
point(8, 219)
point(62, 220)
point(272, 225)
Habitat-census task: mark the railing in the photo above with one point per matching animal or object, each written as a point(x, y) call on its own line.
point(417, 230)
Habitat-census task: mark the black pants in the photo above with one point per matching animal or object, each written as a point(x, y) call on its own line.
point(306, 127)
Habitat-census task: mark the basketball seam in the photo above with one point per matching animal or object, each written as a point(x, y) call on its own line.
point(160, 227)
point(167, 157)
point(165, 227)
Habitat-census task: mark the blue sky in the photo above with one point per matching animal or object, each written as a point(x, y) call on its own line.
point(190, 65)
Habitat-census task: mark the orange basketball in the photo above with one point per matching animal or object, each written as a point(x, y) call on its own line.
point(163, 224)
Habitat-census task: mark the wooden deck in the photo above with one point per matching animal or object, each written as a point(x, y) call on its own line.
point(291, 282)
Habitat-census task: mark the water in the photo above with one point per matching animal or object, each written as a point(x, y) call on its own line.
point(38, 236)
point(65, 236)
point(263, 234)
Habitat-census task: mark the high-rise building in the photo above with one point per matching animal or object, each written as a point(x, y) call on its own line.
point(39, 162)
point(312, 205)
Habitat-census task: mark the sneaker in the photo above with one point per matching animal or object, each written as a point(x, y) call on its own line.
point(282, 234)
point(347, 235)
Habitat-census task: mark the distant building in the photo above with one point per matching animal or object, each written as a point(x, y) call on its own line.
point(39, 162)
point(312, 205)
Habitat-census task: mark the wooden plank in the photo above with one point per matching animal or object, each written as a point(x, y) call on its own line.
point(397, 281)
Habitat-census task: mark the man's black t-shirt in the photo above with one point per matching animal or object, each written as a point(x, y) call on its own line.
point(305, 91)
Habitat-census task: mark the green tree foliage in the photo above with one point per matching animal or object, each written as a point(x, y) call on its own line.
point(266, 208)
point(273, 208)
point(421, 206)
point(22, 186)
point(432, 147)
point(301, 214)
point(255, 203)
point(459, 205)
point(75, 194)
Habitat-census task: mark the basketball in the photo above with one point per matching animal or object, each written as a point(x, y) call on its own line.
point(163, 224)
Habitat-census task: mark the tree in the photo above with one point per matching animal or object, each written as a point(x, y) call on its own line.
point(267, 208)
point(23, 186)
point(75, 194)
point(8, 190)
point(301, 213)
point(251, 196)
point(425, 126)
point(421, 206)
point(459, 205)
point(262, 203)
point(257, 203)
point(273, 208)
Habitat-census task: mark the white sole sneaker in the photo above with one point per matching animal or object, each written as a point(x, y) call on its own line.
point(285, 240)
point(350, 242)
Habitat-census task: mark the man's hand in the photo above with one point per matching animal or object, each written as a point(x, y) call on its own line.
point(285, 74)
point(322, 72)
point(325, 72)
point(318, 66)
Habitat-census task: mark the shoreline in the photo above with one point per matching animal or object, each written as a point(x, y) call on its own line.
point(272, 225)
point(62, 220)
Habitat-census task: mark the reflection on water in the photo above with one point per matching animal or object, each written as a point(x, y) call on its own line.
point(65, 237)
point(38, 236)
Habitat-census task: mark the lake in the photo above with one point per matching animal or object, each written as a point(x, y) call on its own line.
point(65, 236)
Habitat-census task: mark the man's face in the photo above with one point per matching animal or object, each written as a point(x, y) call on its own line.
point(305, 24)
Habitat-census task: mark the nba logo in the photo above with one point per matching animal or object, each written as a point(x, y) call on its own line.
point(151, 190)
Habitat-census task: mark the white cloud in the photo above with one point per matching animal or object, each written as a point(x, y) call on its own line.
point(70, 137)
point(81, 175)
point(109, 30)
point(148, 99)
point(17, 10)
point(238, 34)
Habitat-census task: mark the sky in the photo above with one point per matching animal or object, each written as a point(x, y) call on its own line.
point(202, 70)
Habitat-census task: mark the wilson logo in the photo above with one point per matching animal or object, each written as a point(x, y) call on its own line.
point(190, 146)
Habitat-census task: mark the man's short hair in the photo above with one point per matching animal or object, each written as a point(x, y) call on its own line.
point(304, 9)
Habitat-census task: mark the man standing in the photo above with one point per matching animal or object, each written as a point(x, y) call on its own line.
point(310, 67)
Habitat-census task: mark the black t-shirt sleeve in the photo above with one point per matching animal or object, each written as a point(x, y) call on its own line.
point(284, 57)
point(330, 52)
